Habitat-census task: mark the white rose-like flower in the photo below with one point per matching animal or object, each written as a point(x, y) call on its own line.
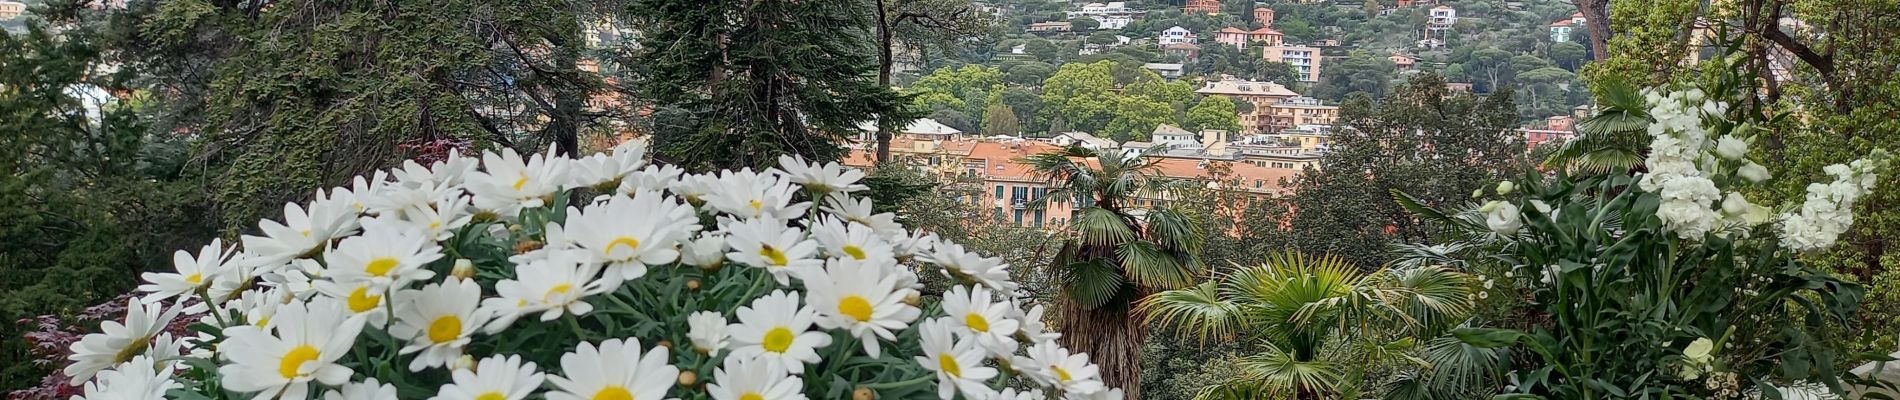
point(1731, 148)
point(1737, 206)
point(1502, 217)
point(1754, 173)
point(707, 329)
point(704, 252)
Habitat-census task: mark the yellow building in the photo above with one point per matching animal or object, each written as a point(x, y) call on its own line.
point(1293, 112)
point(11, 9)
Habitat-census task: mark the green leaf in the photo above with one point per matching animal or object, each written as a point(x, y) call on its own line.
point(1488, 338)
point(1094, 283)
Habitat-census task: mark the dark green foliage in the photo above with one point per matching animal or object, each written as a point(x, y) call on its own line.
point(87, 202)
point(1421, 139)
point(735, 83)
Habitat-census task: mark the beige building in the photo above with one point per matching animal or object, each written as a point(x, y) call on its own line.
point(1304, 59)
point(1262, 95)
point(1292, 112)
point(11, 9)
point(1240, 39)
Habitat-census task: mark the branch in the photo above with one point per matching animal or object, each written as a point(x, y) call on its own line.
point(1772, 31)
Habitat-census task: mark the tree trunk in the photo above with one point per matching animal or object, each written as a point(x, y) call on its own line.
point(564, 125)
point(1113, 339)
point(884, 63)
point(1596, 18)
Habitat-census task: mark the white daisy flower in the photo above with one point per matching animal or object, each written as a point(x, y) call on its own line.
point(117, 342)
point(1051, 365)
point(630, 233)
point(301, 347)
point(853, 241)
point(973, 267)
point(136, 379)
point(508, 184)
point(614, 371)
point(368, 389)
point(395, 200)
point(360, 298)
point(192, 273)
point(448, 172)
point(653, 177)
point(258, 307)
point(776, 329)
point(707, 329)
point(1033, 329)
point(859, 211)
point(958, 364)
point(438, 321)
point(705, 252)
point(973, 314)
point(495, 378)
point(748, 194)
point(827, 178)
point(384, 255)
point(605, 171)
point(746, 378)
point(302, 234)
point(912, 244)
point(294, 278)
point(1111, 394)
point(556, 285)
point(437, 219)
point(864, 300)
point(694, 187)
point(768, 243)
point(1012, 394)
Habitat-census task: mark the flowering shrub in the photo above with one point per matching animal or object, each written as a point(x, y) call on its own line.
point(1669, 282)
point(459, 281)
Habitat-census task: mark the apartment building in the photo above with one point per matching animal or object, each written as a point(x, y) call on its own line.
point(1304, 59)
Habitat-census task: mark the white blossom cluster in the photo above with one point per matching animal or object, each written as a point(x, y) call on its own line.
point(295, 300)
point(1678, 158)
point(1829, 208)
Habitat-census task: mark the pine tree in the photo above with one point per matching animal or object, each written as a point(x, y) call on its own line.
point(736, 83)
point(999, 120)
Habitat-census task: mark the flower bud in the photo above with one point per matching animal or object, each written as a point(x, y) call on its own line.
point(692, 284)
point(688, 378)
point(464, 269)
point(863, 393)
point(1476, 193)
point(666, 343)
point(1506, 187)
point(466, 362)
point(913, 300)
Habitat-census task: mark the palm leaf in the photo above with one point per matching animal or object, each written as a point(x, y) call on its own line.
point(1093, 283)
point(1151, 266)
point(1197, 309)
point(1103, 227)
point(1175, 230)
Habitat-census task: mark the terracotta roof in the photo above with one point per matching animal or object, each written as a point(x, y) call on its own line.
point(1265, 31)
point(1269, 178)
point(1231, 30)
point(1001, 158)
point(1561, 22)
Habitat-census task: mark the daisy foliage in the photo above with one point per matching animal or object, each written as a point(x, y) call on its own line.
point(504, 277)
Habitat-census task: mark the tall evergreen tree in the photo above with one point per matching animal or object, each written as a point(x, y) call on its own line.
point(735, 83)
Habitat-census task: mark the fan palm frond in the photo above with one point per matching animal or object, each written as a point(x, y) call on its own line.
point(1093, 283)
point(1103, 227)
point(1197, 309)
point(1149, 265)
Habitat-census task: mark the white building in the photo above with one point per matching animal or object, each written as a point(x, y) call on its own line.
point(1084, 140)
point(1112, 15)
point(1176, 35)
point(1170, 71)
point(1303, 58)
point(1560, 30)
point(1442, 19)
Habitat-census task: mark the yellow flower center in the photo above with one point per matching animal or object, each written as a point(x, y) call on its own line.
point(295, 359)
point(557, 289)
point(856, 307)
point(361, 301)
point(263, 322)
point(435, 224)
point(948, 365)
point(195, 279)
point(629, 241)
point(977, 322)
point(773, 255)
point(757, 207)
point(492, 396)
point(381, 266)
point(445, 328)
point(751, 396)
point(855, 252)
point(134, 349)
point(1062, 375)
point(613, 392)
point(523, 181)
point(778, 340)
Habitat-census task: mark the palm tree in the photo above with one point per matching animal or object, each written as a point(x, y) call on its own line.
point(1611, 140)
point(1115, 252)
point(1313, 325)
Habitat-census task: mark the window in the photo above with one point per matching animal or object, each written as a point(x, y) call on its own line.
point(1019, 216)
point(1019, 194)
point(999, 213)
point(999, 192)
point(1039, 215)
